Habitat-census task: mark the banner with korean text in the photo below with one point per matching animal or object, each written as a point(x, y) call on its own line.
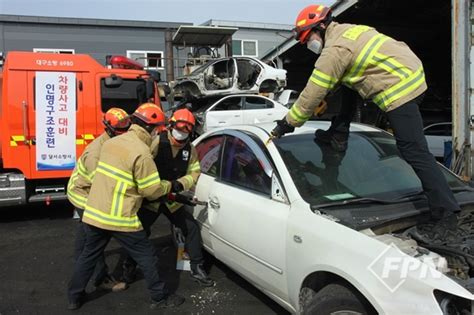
point(55, 103)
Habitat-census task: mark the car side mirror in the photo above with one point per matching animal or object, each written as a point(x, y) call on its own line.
point(113, 81)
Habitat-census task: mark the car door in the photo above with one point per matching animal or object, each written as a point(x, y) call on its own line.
point(258, 109)
point(248, 228)
point(225, 112)
point(209, 152)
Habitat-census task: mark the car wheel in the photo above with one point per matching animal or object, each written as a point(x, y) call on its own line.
point(333, 299)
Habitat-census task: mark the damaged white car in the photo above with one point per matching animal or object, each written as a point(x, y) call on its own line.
point(322, 232)
point(228, 76)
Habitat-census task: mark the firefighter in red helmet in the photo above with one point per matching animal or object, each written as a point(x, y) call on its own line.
point(125, 175)
point(116, 121)
point(386, 72)
point(177, 161)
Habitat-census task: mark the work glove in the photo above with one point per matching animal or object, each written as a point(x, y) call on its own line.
point(176, 186)
point(282, 128)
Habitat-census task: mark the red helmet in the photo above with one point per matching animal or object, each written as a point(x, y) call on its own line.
point(310, 17)
point(116, 121)
point(150, 114)
point(183, 119)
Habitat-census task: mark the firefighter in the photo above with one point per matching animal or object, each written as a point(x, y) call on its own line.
point(116, 121)
point(125, 175)
point(388, 73)
point(177, 161)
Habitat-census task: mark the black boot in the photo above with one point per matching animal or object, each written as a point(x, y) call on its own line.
point(199, 275)
point(168, 301)
point(337, 140)
point(444, 231)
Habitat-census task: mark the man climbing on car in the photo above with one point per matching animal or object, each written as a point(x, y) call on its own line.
point(387, 72)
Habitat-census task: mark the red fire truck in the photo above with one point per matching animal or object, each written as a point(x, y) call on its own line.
point(51, 107)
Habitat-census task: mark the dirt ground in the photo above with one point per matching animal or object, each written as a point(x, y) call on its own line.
point(36, 258)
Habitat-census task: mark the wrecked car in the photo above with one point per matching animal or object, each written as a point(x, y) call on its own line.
point(324, 232)
point(228, 76)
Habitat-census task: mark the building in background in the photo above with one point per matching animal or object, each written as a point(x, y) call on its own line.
point(254, 39)
point(148, 42)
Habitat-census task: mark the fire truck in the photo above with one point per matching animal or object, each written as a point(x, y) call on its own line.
point(51, 107)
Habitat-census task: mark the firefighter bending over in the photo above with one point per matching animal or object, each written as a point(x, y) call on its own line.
point(125, 174)
point(387, 72)
point(177, 161)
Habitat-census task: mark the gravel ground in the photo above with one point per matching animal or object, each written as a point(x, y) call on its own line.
point(36, 246)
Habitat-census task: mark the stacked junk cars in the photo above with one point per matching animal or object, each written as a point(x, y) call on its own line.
point(231, 90)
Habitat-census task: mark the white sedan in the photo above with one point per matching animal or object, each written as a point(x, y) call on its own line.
point(239, 109)
point(322, 232)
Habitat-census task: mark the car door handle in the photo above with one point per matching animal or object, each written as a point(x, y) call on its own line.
point(214, 203)
point(236, 115)
point(270, 114)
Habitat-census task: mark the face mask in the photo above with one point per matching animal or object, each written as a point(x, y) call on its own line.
point(315, 46)
point(179, 135)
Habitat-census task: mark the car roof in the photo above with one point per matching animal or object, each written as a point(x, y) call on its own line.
point(264, 129)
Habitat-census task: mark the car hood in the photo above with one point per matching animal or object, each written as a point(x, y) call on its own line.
point(393, 224)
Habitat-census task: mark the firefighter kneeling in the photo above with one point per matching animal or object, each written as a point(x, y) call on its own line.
point(126, 173)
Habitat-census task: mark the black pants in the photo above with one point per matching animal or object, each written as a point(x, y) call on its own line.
point(407, 126)
point(183, 220)
point(135, 243)
point(101, 269)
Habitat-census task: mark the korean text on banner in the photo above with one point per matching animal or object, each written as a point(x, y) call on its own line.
point(55, 120)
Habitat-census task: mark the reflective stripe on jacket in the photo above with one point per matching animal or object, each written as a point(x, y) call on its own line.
point(81, 178)
point(378, 67)
point(193, 169)
point(125, 174)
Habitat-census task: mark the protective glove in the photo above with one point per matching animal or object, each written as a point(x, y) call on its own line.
point(282, 128)
point(176, 186)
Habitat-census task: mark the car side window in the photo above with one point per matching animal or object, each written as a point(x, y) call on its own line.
point(241, 167)
point(208, 153)
point(233, 103)
point(438, 130)
point(257, 103)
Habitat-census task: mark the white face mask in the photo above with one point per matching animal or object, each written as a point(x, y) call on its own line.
point(179, 135)
point(315, 46)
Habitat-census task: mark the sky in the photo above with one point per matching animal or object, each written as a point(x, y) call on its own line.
point(196, 12)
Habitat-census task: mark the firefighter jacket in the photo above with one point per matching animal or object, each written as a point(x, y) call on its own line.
point(175, 162)
point(125, 174)
point(378, 67)
point(81, 178)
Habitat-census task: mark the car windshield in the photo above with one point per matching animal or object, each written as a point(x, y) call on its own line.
point(371, 167)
